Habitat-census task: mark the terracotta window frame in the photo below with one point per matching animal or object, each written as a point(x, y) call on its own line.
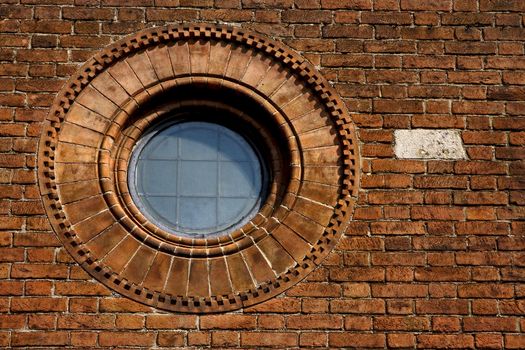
point(115, 96)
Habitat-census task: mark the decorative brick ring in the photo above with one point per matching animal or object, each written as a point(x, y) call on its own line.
point(161, 74)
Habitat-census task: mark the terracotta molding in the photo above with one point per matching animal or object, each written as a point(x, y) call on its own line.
point(90, 131)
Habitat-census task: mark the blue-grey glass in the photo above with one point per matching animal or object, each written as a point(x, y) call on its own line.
point(237, 178)
point(163, 147)
point(197, 213)
point(196, 179)
point(163, 174)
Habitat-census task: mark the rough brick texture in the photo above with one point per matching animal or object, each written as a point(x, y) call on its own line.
point(433, 257)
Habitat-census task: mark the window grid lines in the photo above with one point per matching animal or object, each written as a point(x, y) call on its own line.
point(234, 185)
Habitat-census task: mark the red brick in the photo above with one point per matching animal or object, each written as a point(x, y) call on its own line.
point(394, 197)
point(11, 287)
point(225, 339)
point(357, 274)
point(41, 239)
point(46, 338)
point(485, 291)
point(489, 341)
point(228, 322)
point(514, 341)
point(12, 321)
point(356, 290)
point(358, 323)
point(311, 339)
point(341, 340)
point(39, 271)
point(83, 339)
point(446, 341)
point(83, 305)
point(386, 181)
point(401, 340)
point(443, 306)
point(482, 228)
point(41, 321)
point(284, 305)
point(315, 290)
point(395, 106)
point(398, 228)
point(498, 5)
point(379, 17)
point(437, 213)
point(451, 181)
point(87, 13)
point(86, 321)
point(80, 288)
point(313, 306)
point(46, 26)
point(38, 304)
point(446, 324)
point(27, 208)
point(398, 166)
point(398, 323)
point(129, 321)
point(11, 254)
point(398, 259)
point(480, 198)
point(38, 288)
point(480, 167)
point(490, 324)
point(470, 48)
point(198, 338)
point(171, 321)
point(348, 60)
point(127, 339)
point(399, 290)
point(271, 322)
point(273, 339)
point(171, 339)
point(481, 213)
point(314, 322)
point(358, 306)
point(304, 16)
point(42, 55)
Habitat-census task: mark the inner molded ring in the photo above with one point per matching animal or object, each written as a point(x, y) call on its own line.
point(196, 178)
point(204, 98)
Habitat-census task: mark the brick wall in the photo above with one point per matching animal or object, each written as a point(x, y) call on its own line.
point(433, 256)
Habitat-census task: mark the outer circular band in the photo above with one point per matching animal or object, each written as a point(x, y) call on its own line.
point(105, 107)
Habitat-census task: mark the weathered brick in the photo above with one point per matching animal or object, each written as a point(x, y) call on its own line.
point(358, 306)
point(228, 322)
point(274, 339)
point(341, 340)
point(144, 339)
point(86, 322)
point(444, 341)
point(41, 338)
point(38, 304)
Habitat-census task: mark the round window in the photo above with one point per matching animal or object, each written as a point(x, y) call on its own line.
point(198, 168)
point(196, 179)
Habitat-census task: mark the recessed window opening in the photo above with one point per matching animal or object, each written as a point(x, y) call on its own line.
point(197, 178)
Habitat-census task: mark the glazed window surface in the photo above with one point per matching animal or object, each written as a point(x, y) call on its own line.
point(196, 179)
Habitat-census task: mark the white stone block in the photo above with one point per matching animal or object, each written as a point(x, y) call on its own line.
point(429, 144)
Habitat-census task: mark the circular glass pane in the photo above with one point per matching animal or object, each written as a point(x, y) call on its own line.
point(196, 179)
